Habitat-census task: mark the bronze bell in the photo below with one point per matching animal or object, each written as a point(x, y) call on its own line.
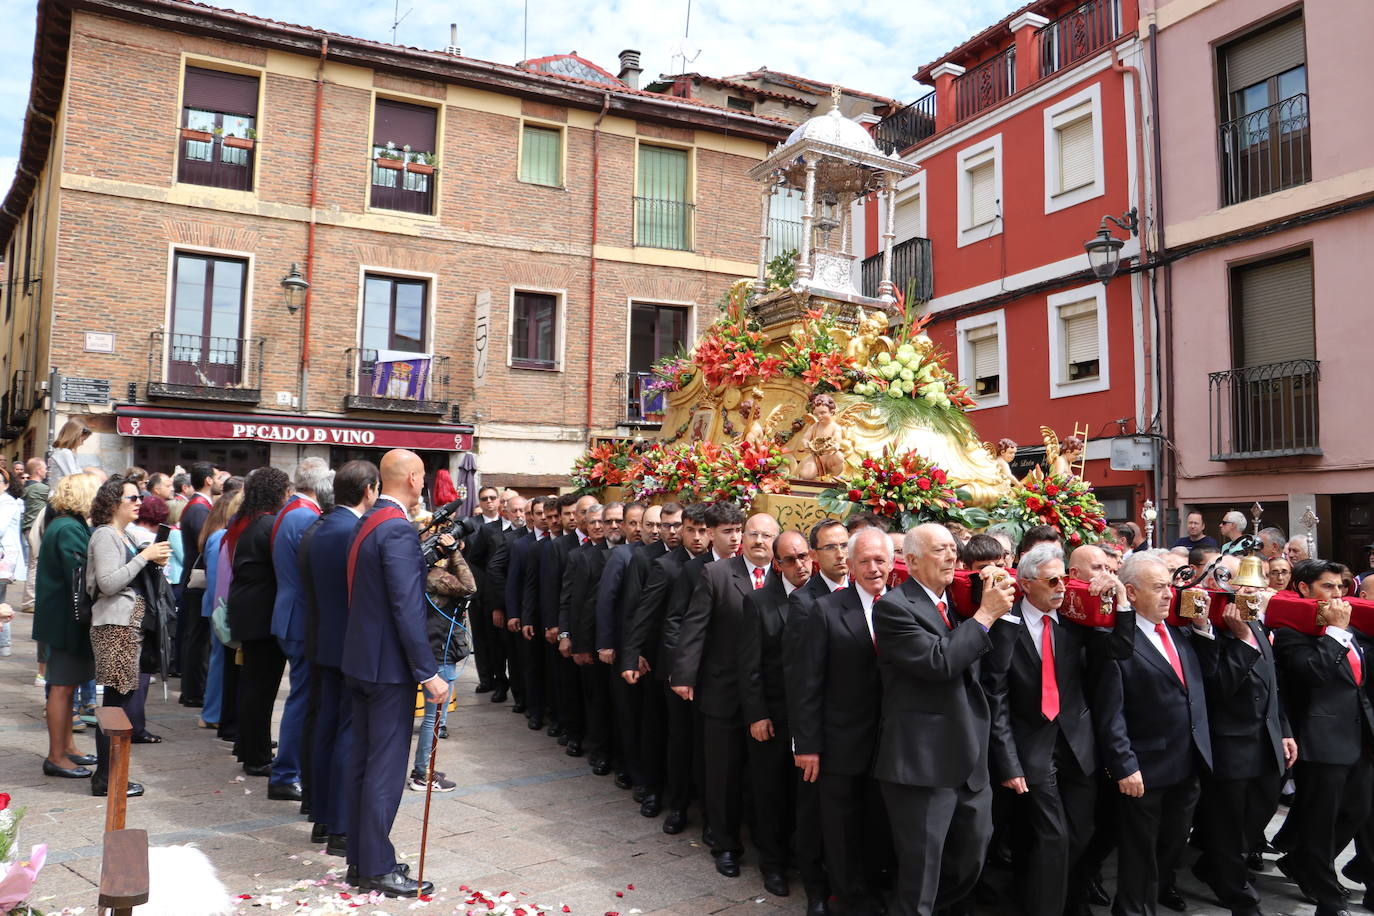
point(1250, 574)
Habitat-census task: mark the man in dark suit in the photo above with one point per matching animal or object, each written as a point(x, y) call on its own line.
point(192, 629)
point(706, 673)
point(385, 654)
point(541, 577)
point(1042, 745)
point(1324, 682)
point(932, 760)
point(621, 583)
point(323, 556)
point(1252, 746)
point(784, 805)
point(577, 617)
point(520, 614)
point(552, 589)
point(479, 550)
point(1150, 713)
point(513, 507)
point(683, 531)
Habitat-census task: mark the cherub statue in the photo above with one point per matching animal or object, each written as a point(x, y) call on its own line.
point(823, 442)
point(870, 338)
point(1003, 453)
point(753, 430)
point(1061, 456)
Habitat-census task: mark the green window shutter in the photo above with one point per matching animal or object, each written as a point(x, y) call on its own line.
point(662, 199)
point(541, 156)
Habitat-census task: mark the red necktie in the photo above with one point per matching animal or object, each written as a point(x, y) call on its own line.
point(1049, 682)
point(758, 578)
point(940, 606)
point(1355, 668)
point(1172, 653)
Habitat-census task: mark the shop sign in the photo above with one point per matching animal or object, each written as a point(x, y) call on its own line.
point(435, 439)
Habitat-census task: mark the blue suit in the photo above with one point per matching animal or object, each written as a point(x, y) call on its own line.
point(332, 739)
point(288, 625)
point(386, 652)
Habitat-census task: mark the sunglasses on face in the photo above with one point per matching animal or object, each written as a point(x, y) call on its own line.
point(1052, 581)
point(795, 558)
point(135, 498)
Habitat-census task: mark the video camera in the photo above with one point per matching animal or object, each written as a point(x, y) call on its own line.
point(441, 525)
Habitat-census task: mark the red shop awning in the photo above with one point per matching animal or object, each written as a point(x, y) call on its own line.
point(147, 422)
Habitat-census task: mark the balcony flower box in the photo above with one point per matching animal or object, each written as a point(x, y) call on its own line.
point(199, 136)
point(385, 163)
point(240, 142)
point(420, 168)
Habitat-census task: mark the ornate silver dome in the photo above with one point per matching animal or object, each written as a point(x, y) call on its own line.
point(834, 129)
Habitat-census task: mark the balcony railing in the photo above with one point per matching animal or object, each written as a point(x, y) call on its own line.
point(1265, 411)
point(639, 406)
point(402, 188)
point(985, 85)
point(196, 367)
point(22, 399)
point(1266, 151)
point(1078, 34)
point(911, 261)
point(903, 129)
point(210, 161)
point(664, 223)
point(420, 386)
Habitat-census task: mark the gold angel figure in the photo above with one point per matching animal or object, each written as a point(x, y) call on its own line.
point(824, 446)
point(1060, 456)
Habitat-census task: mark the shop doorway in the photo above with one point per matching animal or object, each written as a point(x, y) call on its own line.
point(236, 457)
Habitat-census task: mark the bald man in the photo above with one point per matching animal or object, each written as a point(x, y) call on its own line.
point(386, 653)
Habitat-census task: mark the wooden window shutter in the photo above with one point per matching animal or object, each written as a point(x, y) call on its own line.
point(983, 353)
point(662, 173)
point(213, 90)
point(908, 218)
point(1079, 322)
point(1076, 165)
point(1271, 52)
point(404, 125)
point(541, 155)
point(1274, 319)
point(982, 193)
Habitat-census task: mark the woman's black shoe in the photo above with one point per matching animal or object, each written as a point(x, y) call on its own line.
point(82, 760)
point(76, 772)
point(100, 789)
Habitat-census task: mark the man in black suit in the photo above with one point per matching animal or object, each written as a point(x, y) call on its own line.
point(684, 532)
point(521, 617)
point(513, 527)
point(834, 710)
point(1042, 745)
point(784, 805)
point(544, 636)
point(1150, 712)
point(1324, 680)
point(552, 594)
point(479, 550)
point(1252, 746)
point(577, 617)
point(932, 761)
point(706, 673)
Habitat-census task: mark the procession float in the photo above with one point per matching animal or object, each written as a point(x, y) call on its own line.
point(806, 398)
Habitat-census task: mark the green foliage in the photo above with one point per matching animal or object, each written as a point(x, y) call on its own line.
point(904, 413)
point(782, 270)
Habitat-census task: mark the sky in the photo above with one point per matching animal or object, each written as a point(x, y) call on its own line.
point(874, 45)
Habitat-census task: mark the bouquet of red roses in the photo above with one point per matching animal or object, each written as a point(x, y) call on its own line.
point(905, 488)
point(738, 474)
point(1067, 504)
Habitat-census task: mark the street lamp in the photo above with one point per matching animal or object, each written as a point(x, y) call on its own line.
point(1104, 251)
point(294, 287)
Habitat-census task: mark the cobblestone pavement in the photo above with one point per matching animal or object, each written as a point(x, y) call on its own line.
point(525, 818)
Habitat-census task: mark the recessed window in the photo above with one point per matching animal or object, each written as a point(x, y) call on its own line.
point(534, 331)
point(218, 137)
point(1078, 341)
point(979, 171)
point(983, 358)
point(987, 371)
point(784, 222)
point(739, 104)
point(1073, 150)
point(982, 194)
point(206, 347)
point(663, 202)
point(404, 160)
point(394, 313)
point(541, 155)
point(1078, 325)
point(1074, 141)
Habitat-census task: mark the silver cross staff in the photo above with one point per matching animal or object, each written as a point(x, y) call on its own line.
point(1148, 513)
point(1310, 521)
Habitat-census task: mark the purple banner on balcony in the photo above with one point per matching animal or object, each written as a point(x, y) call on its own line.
point(404, 376)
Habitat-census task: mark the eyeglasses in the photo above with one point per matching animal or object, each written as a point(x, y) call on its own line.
point(758, 535)
point(795, 558)
point(1052, 581)
point(824, 548)
point(135, 498)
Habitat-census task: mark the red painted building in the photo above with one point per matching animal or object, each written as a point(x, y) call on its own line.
point(1030, 137)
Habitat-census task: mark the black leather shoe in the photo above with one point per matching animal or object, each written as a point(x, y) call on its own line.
point(535, 723)
point(817, 906)
point(1285, 866)
point(563, 739)
point(351, 876)
point(83, 760)
point(264, 770)
point(623, 781)
point(574, 748)
point(726, 865)
point(601, 769)
point(498, 695)
point(192, 702)
point(650, 807)
point(284, 791)
point(100, 789)
point(675, 822)
point(337, 845)
point(443, 731)
point(1171, 898)
point(639, 794)
point(775, 883)
point(76, 772)
point(396, 884)
point(518, 708)
point(1255, 862)
point(483, 687)
point(319, 833)
point(1097, 894)
point(555, 730)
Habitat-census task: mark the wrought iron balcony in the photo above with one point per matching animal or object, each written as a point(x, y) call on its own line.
point(1078, 34)
point(411, 386)
point(195, 367)
point(402, 185)
point(639, 405)
point(1265, 411)
point(1266, 151)
point(216, 161)
point(903, 129)
point(985, 85)
point(22, 399)
point(664, 223)
point(8, 430)
point(912, 268)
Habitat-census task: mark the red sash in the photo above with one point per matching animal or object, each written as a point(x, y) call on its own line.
point(200, 498)
point(370, 524)
point(231, 537)
point(294, 502)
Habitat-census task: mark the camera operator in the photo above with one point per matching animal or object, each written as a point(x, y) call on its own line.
point(446, 585)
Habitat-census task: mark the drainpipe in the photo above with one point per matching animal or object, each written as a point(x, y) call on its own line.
point(591, 280)
point(310, 230)
point(1170, 479)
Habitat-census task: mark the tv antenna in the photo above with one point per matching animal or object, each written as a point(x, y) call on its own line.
point(397, 17)
point(684, 49)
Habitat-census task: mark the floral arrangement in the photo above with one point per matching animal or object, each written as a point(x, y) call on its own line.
point(604, 465)
point(709, 472)
point(905, 488)
point(17, 877)
point(671, 373)
point(814, 356)
point(1064, 503)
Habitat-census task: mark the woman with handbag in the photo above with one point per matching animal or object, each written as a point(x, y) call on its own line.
point(117, 608)
point(61, 618)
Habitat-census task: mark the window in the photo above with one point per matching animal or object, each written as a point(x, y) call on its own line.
point(663, 207)
point(1264, 137)
point(206, 345)
point(541, 155)
point(784, 222)
point(983, 358)
point(403, 157)
point(656, 331)
point(980, 191)
point(394, 313)
point(739, 104)
point(1073, 150)
point(218, 138)
point(1078, 341)
point(534, 328)
point(908, 217)
point(1271, 311)
point(9, 280)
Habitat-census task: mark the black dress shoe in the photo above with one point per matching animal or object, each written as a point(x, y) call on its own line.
point(337, 845)
point(726, 865)
point(675, 822)
point(498, 695)
point(100, 789)
point(574, 748)
point(483, 687)
point(77, 772)
point(650, 806)
point(319, 833)
point(623, 781)
point(775, 883)
point(284, 791)
point(639, 794)
point(1255, 862)
point(1097, 894)
point(535, 723)
point(518, 708)
point(351, 875)
point(600, 765)
point(192, 702)
point(443, 732)
point(396, 884)
point(264, 770)
point(1170, 897)
point(817, 906)
point(555, 730)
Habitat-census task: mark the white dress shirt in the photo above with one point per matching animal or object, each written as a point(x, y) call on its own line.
point(832, 584)
point(396, 501)
point(788, 587)
point(1034, 620)
point(1148, 628)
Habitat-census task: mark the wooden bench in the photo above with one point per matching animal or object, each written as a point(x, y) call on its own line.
point(124, 853)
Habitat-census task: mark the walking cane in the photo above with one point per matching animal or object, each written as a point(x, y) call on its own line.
point(429, 785)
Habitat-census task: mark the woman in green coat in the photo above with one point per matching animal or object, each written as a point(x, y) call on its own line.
point(70, 661)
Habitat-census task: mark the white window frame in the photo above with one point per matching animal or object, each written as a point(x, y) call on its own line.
point(1055, 201)
point(559, 333)
point(965, 352)
point(973, 156)
point(1060, 386)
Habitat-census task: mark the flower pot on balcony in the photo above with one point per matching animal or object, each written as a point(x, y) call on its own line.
point(200, 136)
point(419, 168)
point(239, 142)
point(385, 163)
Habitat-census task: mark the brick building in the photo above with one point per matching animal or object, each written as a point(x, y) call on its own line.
point(492, 251)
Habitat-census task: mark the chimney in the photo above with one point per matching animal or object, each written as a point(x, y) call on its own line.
point(453, 41)
point(629, 68)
